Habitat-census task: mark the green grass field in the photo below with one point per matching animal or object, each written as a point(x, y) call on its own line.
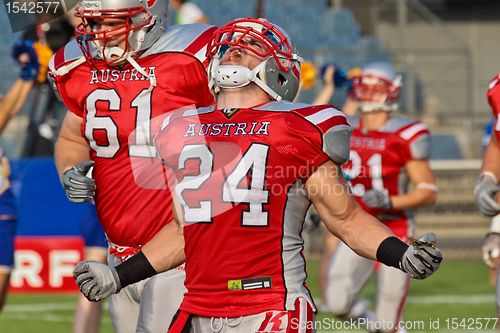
point(454, 300)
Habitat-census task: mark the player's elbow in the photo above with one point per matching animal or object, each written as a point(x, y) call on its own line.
point(429, 197)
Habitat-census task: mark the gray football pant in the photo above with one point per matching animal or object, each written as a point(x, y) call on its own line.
point(347, 274)
point(254, 323)
point(147, 306)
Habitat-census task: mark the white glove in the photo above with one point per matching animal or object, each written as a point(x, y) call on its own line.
point(78, 187)
point(491, 249)
point(422, 257)
point(95, 280)
point(485, 190)
point(377, 199)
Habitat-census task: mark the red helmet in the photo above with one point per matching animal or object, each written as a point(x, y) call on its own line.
point(278, 74)
point(377, 88)
point(144, 22)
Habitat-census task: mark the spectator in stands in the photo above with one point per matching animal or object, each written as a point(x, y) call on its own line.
point(187, 12)
point(329, 85)
point(487, 187)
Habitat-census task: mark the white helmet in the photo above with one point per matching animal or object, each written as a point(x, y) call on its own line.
point(278, 75)
point(145, 21)
point(377, 88)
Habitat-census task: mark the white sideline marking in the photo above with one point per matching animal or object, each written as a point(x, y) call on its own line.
point(39, 307)
point(445, 299)
point(48, 317)
point(450, 299)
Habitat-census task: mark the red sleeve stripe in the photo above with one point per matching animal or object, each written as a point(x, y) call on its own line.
point(201, 42)
point(494, 82)
point(323, 115)
point(418, 134)
point(59, 58)
point(332, 122)
point(304, 112)
point(410, 132)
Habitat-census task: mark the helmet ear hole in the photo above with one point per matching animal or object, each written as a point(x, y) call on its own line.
point(282, 80)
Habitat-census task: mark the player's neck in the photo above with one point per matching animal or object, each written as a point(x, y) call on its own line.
point(372, 121)
point(245, 97)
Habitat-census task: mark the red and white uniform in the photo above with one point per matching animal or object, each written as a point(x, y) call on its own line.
point(119, 114)
point(494, 100)
point(241, 187)
point(377, 161)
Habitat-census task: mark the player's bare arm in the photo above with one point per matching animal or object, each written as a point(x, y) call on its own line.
point(424, 187)
point(330, 195)
point(71, 147)
point(73, 162)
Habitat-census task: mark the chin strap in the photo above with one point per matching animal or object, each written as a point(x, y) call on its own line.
point(63, 70)
point(233, 76)
point(152, 78)
point(120, 53)
point(371, 107)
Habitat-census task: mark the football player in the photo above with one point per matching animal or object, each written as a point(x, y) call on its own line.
point(388, 152)
point(487, 187)
point(246, 171)
point(125, 68)
point(8, 226)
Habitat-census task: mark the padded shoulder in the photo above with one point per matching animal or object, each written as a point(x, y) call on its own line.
point(65, 55)
point(188, 38)
point(334, 128)
point(281, 106)
point(396, 123)
point(416, 134)
point(186, 113)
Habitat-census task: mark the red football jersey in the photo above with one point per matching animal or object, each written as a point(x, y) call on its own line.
point(494, 100)
point(378, 158)
point(121, 115)
point(240, 183)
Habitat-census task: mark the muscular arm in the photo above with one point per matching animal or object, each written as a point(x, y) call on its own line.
point(166, 249)
point(343, 217)
point(71, 148)
point(419, 172)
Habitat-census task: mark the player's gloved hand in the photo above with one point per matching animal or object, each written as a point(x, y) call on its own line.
point(491, 249)
point(422, 257)
point(377, 199)
point(25, 54)
point(79, 187)
point(95, 280)
point(485, 190)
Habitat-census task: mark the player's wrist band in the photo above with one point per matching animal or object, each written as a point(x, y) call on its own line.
point(135, 269)
point(390, 252)
point(490, 174)
point(495, 224)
